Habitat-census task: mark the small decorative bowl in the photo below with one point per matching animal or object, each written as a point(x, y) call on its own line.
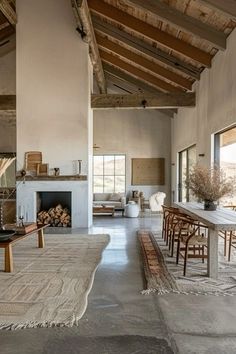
point(6, 234)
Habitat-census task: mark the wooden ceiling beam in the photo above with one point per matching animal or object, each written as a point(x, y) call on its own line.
point(182, 22)
point(8, 12)
point(226, 7)
point(165, 39)
point(141, 74)
point(143, 62)
point(144, 47)
point(144, 86)
point(117, 72)
point(7, 102)
point(123, 76)
point(139, 101)
point(129, 88)
point(83, 19)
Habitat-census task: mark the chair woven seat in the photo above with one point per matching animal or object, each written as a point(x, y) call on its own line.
point(197, 240)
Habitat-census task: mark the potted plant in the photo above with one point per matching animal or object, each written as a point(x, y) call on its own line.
point(209, 185)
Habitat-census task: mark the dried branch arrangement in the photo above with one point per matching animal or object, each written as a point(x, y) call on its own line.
point(210, 183)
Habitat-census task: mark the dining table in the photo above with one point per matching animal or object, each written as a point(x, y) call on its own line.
point(221, 219)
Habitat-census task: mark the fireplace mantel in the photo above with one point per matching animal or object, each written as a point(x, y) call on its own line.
point(53, 178)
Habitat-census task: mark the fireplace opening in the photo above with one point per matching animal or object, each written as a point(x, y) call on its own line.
point(54, 208)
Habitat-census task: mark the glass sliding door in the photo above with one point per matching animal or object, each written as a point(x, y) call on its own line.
point(187, 158)
point(225, 157)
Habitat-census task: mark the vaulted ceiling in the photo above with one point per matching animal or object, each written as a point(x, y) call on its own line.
point(153, 46)
point(144, 47)
point(7, 26)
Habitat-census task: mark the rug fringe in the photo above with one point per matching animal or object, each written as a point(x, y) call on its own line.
point(196, 293)
point(74, 321)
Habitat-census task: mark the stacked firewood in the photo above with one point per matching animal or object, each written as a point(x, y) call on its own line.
point(57, 216)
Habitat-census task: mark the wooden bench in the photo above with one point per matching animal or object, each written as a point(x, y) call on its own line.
point(7, 245)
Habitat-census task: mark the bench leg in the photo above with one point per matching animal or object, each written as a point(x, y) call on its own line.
point(8, 259)
point(41, 242)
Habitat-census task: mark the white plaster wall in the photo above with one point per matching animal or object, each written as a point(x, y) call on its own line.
point(137, 134)
point(215, 108)
point(53, 86)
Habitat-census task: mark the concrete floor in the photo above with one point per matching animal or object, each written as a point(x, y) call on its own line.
point(120, 320)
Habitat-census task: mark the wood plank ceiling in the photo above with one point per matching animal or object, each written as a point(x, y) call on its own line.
point(155, 46)
point(7, 26)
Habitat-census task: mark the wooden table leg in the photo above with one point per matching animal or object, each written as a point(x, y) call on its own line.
point(212, 261)
point(41, 242)
point(8, 259)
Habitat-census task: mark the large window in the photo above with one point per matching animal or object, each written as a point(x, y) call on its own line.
point(187, 158)
point(109, 173)
point(225, 157)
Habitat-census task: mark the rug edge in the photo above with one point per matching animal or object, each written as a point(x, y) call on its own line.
point(74, 321)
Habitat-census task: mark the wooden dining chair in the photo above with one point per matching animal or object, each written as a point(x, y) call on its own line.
point(232, 243)
point(166, 222)
point(192, 241)
point(228, 236)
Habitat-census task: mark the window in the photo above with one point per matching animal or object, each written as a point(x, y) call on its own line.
point(109, 173)
point(187, 159)
point(225, 157)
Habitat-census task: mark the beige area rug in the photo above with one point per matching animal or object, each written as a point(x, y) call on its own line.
point(49, 287)
point(163, 275)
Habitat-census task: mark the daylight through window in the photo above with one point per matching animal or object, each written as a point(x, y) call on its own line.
point(109, 173)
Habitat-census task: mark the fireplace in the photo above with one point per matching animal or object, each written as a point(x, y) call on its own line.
point(27, 197)
point(54, 208)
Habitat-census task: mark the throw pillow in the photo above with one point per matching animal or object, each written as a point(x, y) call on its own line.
point(115, 197)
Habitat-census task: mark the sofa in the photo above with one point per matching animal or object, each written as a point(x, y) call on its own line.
point(116, 199)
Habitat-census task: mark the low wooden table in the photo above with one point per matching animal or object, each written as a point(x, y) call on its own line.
point(104, 209)
point(7, 245)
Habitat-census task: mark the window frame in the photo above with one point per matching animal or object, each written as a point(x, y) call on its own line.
point(217, 144)
point(113, 175)
point(180, 174)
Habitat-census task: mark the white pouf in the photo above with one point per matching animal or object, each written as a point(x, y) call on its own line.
point(131, 210)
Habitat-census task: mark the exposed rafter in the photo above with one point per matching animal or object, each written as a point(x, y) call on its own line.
point(144, 47)
point(141, 74)
point(83, 18)
point(226, 7)
point(8, 12)
point(117, 83)
point(182, 22)
point(7, 102)
point(151, 32)
point(108, 68)
point(161, 100)
point(143, 62)
point(125, 85)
